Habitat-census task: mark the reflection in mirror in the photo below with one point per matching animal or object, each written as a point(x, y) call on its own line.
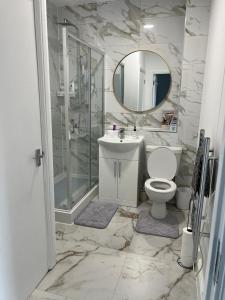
point(141, 80)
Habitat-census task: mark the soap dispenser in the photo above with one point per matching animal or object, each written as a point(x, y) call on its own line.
point(134, 132)
point(114, 131)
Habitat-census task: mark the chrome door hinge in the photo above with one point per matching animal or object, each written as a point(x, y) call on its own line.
point(217, 264)
point(38, 156)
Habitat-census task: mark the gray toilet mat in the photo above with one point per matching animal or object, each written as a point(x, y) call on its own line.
point(167, 227)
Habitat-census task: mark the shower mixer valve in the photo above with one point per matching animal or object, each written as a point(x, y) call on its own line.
point(73, 125)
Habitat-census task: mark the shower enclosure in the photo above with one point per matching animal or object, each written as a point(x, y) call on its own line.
point(78, 122)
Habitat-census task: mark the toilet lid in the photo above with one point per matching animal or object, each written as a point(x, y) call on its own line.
point(162, 163)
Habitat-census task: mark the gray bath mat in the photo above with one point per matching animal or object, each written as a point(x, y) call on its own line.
point(97, 214)
point(167, 227)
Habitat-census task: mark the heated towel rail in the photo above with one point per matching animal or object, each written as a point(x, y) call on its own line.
point(206, 180)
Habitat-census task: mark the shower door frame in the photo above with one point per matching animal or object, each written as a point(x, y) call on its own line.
point(65, 35)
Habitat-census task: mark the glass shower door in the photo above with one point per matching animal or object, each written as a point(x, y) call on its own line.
point(59, 155)
point(79, 119)
point(59, 108)
point(97, 76)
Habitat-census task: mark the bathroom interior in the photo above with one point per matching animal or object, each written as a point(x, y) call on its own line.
point(126, 88)
point(135, 158)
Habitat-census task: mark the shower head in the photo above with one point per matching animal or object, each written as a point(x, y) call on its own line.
point(66, 23)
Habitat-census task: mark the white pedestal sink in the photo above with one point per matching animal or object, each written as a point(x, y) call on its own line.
point(116, 144)
point(119, 169)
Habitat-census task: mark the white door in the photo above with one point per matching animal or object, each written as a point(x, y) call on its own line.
point(108, 179)
point(128, 182)
point(23, 245)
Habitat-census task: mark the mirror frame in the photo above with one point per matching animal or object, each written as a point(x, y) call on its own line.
point(151, 109)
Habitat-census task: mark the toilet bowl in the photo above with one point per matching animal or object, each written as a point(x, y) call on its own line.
point(162, 167)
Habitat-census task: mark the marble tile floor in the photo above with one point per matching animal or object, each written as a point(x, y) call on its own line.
point(117, 263)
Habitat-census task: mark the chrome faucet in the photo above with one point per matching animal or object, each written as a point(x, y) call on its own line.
point(121, 133)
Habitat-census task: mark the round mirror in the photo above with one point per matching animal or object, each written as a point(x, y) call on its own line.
point(141, 81)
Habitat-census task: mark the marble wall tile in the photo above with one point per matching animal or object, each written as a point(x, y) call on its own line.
point(190, 121)
point(113, 22)
point(184, 177)
point(198, 3)
point(88, 33)
point(161, 8)
point(112, 105)
point(114, 54)
point(197, 21)
point(84, 11)
point(160, 138)
point(192, 78)
point(195, 44)
point(128, 120)
point(109, 80)
point(119, 34)
point(120, 10)
point(195, 49)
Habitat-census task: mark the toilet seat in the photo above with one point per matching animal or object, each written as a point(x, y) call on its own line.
point(162, 163)
point(149, 184)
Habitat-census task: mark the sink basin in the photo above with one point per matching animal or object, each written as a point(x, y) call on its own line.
point(115, 144)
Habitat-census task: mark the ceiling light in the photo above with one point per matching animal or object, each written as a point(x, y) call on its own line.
point(148, 26)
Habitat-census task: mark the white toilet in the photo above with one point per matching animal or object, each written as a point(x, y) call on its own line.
point(162, 164)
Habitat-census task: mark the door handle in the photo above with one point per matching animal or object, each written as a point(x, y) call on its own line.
point(115, 168)
point(38, 155)
point(119, 168)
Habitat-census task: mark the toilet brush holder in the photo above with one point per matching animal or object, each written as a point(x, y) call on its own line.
point(142, 196)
